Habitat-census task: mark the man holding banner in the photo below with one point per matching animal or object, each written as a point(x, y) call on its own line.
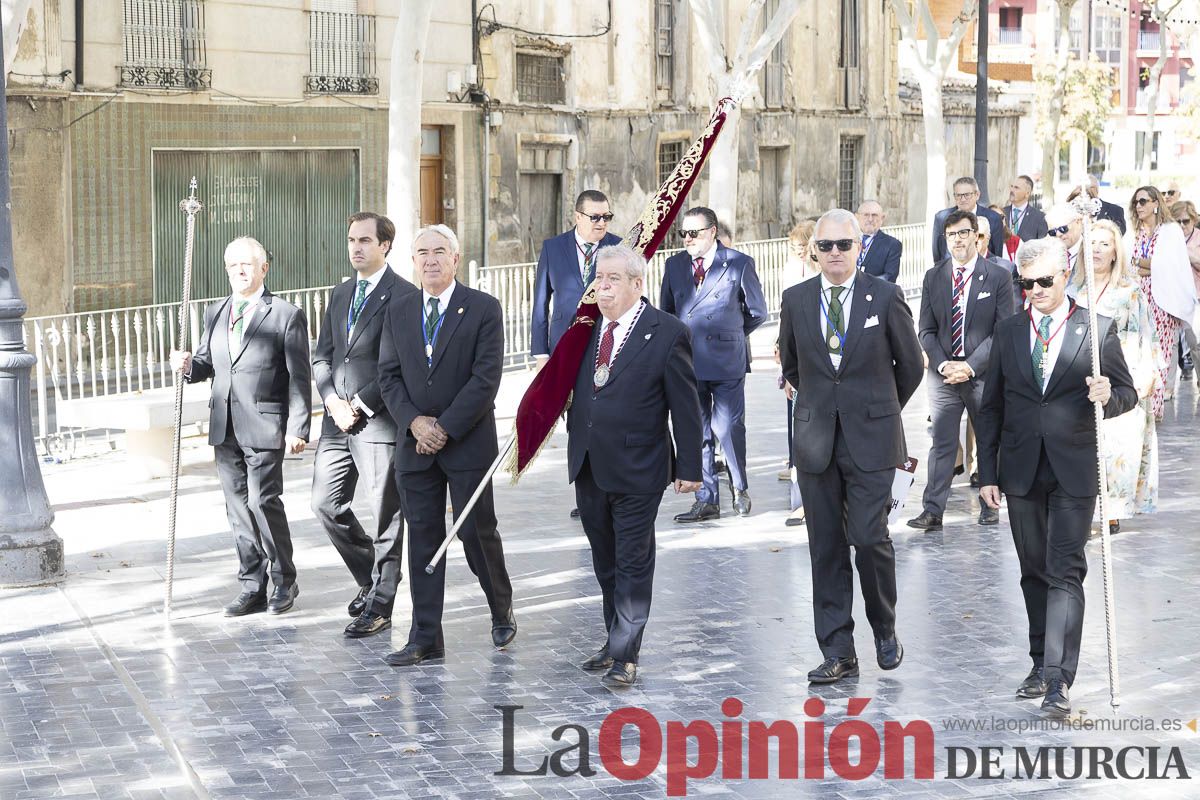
point(848, 345)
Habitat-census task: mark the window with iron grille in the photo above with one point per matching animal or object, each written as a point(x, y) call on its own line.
point(541, 78)
point(341, 53)
point(849, 172)
point(163, 44)
point(669, 154)
point(664, 47)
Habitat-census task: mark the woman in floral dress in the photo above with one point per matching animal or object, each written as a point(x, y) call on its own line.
point(1130, 440)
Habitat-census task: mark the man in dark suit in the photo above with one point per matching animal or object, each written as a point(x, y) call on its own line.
point(881, 252)
point(255, 349)
point(1024, 218)
point(358, 436)
point(636, 373)
point(966, 198)
point(847, 343)
point(1037, 444)
point(440, 359)
point(715, 291)
point(565, 267)
point(1109, 211)
point(962, 301)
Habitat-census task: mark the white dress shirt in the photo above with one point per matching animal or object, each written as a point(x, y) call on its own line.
point(247, 315)
point(709, 257)
point(356, 402)
point(620, 333)
point(968, 273)
point(580, 249)
point(1050, 358)
point(847, 296)
point(443, 300)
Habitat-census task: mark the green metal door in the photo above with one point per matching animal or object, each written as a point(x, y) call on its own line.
point(293, 201)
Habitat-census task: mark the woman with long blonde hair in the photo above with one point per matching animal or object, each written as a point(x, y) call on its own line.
point(1130, 440)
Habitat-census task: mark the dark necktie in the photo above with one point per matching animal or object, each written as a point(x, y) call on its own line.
point(239, 324)
point(862, 253)
point(431, 321)
point(586, 271)
point(833, 321)
point(1040, 352)
point(958, 313)
point(360, 299)
point(606, 344)
point(698, 272)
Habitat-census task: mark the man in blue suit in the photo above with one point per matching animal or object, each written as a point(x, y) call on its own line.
point(880, 254)
point(565, 267)
point(966, 198)
point(715, 292)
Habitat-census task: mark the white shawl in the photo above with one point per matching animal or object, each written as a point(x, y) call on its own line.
point(1171, 283)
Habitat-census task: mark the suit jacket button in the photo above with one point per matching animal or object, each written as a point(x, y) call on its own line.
point(708, 338)
point(1045, 404)
point(347, 361)
point(589, 424)
point(429, 383)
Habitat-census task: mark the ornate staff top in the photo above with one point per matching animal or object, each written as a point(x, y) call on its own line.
point(190, 205)
point(1085, 204)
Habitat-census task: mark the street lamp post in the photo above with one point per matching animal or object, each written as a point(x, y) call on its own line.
point(981, 104)
point(30, 550)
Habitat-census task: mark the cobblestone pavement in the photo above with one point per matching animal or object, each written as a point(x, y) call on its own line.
point(101, 699)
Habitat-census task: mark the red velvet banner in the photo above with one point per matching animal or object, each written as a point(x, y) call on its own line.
point(546, 398)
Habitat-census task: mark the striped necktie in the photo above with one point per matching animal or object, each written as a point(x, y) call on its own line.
point(958, 313)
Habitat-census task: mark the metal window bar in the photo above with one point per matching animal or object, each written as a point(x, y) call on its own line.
point(669, 154)
point(540, 78)
point(848, 165)
point(163, 44)
point(341, 53)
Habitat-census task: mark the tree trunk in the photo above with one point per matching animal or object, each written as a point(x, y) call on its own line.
point(1152, 102)
point(404, 126)
point(935, 144)
point(1053, 109)
point(723, 164)
point(14, 14)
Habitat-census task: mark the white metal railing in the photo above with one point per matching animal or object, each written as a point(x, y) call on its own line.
point(1009, 36)
point(115, 351)
point(1149, 40)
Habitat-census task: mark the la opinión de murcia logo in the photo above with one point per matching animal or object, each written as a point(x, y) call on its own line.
point(853, 750)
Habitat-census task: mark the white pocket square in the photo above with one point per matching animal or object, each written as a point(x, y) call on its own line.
point(871, 322)
point(982, 295)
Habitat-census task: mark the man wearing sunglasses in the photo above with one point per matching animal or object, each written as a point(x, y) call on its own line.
point(847, 343)
point(962, 301)
point(715, 291)
point(1037, 444)
point(966, 198)
point(1066, 225)
point(566, 265)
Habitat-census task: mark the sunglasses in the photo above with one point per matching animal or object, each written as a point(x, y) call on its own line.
point(826, 245)
point(596, 217)
point(1046, 281)
point(1060, 230)
point(1141, 201)
point(964, 233)
point(688, 234)
point(1171, 192)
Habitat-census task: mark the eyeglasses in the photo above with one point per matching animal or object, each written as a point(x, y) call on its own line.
point(596, 217)
point(689, 234)
point(965, 195)
point(826, 245)
point(1060, 230)
point(1141, 201)
point(962, 233)
point(1046, 281)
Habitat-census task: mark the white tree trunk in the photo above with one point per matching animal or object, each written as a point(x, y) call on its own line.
point(404, 126)
point(13, 13)
point(1152, 102)
point(935, 144)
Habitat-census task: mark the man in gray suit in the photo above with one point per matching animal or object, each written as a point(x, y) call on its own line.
point(1024, 218)
point(358, 436)
point(847, 343)
point(254, 348)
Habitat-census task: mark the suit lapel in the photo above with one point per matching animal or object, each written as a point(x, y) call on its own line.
point(256, 322)
point(858, 316)
point(218, 342)
point(813, 302)
point(1024, 352)
point(571, 257)
point(713, 276)
point(450, 322)
point(1074, 335)
point(374, 303)
point(977, 279)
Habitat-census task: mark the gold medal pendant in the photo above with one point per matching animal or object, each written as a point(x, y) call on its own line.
point(834, 342)
point(601, 376)
point(429, 351)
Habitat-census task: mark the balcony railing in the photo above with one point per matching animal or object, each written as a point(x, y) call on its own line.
point(1010, 36)
point(1149, 40)
point(163, 45)
point(125, 350)
point(341, 54)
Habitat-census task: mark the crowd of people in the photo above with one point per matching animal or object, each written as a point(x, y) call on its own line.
point(408, 374)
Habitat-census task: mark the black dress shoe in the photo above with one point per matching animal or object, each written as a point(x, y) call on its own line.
point(1057, 701)
point(927, 521)
point(414, 654)
point(283, 598)
point(959, 470)
point(889, 653)
point(1033, 686)
point(974, 480)
point(574, 513)
point(504, 631)
point(600, 660)
point(1114, 527)
point(699, 512)
point(989, 516)
point(741, 503)
point(621, 675)
point(368, 624)
point(247, 603)
point(359, 604)
point(833, 669)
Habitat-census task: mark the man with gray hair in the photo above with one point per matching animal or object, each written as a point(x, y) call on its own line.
point(966, 198)
point(255, 350)
point(1037, 444)
point(636, 373)
point(847, 343)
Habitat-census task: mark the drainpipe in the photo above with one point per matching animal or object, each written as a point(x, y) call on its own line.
point(78, 44)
